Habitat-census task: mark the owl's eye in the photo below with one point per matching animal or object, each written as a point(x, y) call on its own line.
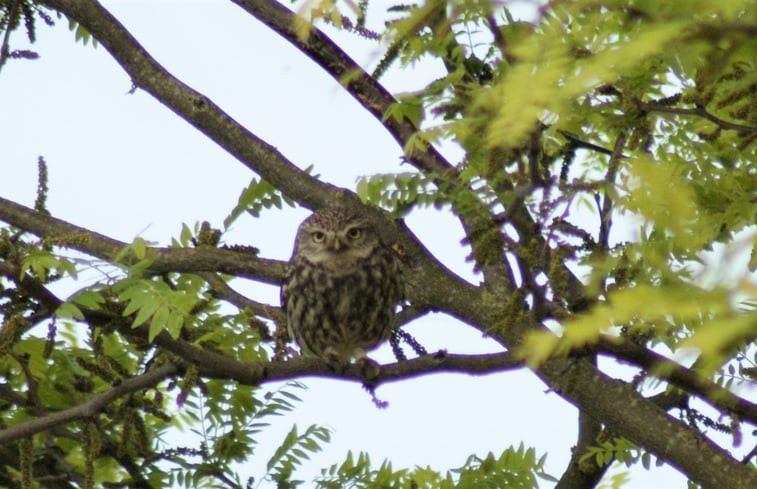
point(354, 233)
point(318, 237)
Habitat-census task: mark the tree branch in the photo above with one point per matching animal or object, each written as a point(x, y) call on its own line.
point(605, 212)
point(196, 108)
point(363, 87)
point(580, 143)
point(697, 111)
point(578, 474)
point(624, 411)
point(217, 366)
point(164, 260)
point(718, 397)
point(483, 364)
point(89, 408)
point(223, 291)
point(584, 475)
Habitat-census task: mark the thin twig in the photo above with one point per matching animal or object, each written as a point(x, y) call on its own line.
point(687, 379)
point(605, 212)
point(223, 291)
point(580, 143)
point(697, 111)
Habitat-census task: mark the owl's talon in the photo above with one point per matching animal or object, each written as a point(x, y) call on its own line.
point(286, 352)
point(369, 369)
point(334, 361)
point(359, 355)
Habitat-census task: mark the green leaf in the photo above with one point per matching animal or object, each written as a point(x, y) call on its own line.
point(139, 247)
point(145, 306)
point(40, 263)
point(407, 107)
point(88, 298)
point(185, 237)
point(258, 195)
point(69, 310)
point(158, 322)
point(174, 325)
point(121, 254)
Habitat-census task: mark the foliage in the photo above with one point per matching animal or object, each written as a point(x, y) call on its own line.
point(514, 467)
point(230, 419)
point(620, 450)
point(398, 192)
point(592, 118)
point(258, 195)
point(638, 56)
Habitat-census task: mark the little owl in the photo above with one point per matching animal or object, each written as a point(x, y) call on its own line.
point(342, 285)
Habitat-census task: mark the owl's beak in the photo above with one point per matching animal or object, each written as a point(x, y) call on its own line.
point(337, 245)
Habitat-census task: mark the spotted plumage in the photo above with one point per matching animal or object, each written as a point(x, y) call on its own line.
point(342, 285)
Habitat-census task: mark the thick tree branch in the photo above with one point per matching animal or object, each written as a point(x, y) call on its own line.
point(366, 90)
point(312, 367)
point(624, 411)
point(45, 226)
point(578, 474)
point(587, 474)
point(196, 108)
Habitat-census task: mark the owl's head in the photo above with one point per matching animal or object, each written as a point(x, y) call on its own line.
point(336, 236)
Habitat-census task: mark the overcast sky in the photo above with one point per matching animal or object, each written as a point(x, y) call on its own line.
point(123, 165)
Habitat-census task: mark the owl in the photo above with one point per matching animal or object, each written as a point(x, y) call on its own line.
point(342, 285)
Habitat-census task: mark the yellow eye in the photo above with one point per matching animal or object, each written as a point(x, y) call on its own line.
point(318, 237)
point(354, 233)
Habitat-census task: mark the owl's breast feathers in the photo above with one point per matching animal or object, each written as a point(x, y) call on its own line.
point(341, 309)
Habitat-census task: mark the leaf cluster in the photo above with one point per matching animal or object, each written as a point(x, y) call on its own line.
point(514, 467)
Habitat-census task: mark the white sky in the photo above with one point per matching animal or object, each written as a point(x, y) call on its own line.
point(125, 166)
